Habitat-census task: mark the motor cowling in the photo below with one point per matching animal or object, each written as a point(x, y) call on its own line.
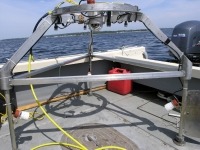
point(186, 36)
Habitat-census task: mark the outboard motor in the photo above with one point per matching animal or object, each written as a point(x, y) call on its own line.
point(186, 36)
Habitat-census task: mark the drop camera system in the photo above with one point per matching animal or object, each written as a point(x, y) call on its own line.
point(95, 16)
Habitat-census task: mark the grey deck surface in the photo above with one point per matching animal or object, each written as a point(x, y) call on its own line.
point(139, 116)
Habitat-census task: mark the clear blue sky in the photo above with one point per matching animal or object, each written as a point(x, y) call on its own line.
point(18, 17)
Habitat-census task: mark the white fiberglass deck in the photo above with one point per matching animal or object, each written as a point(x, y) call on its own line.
point(140, 116)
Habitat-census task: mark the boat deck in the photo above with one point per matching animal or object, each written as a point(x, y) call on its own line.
point(139, 116)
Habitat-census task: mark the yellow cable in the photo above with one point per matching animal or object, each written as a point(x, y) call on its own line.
point(62, 144)
point(3, 96)
point(32, 115)
point(81, 147)
point(73, 146)
point(4, 116)
point(110, 147)
point(64, 132)
point(44, 111)
point(72, 2)
point(58, 6)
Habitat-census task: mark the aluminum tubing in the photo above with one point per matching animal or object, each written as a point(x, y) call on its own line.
point(97, 78)
point(97, 7)
point(184, 99)
point(10, 121)
point(25, 75)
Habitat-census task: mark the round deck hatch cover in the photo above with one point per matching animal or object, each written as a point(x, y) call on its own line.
point(95, 136)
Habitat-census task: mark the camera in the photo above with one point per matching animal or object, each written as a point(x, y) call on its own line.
point(95, 24)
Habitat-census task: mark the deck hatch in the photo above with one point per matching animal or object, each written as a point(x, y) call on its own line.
point(97, 135)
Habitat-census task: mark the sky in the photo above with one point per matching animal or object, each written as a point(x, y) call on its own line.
point(18, 17)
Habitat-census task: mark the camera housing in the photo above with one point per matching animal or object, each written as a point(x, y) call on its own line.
point(95, 24)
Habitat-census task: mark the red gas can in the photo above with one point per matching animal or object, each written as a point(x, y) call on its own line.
point(122, 87)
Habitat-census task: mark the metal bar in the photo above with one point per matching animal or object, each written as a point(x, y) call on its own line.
point(174, 115)
point(112, 58)
point(100, 7)
point(97, 78)
point(29, 43)
point(159, 34)
point(10, 120)
point(146, 63)
point(35, 72)
point(90, 53)
point(179, 139)
point(187, 67)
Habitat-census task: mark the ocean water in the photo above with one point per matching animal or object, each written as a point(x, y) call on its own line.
point(63, 45)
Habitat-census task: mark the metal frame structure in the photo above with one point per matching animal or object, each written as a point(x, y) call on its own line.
point(95, 16)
